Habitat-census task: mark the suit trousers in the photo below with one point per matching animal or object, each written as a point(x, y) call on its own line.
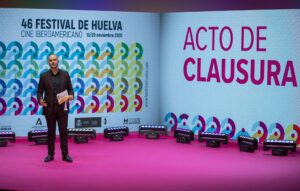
point(61, 117)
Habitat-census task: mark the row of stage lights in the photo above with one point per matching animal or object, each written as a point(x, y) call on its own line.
point(81, 135)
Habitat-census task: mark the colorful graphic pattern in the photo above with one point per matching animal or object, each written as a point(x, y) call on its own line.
point(105, 77)
point(228, 126)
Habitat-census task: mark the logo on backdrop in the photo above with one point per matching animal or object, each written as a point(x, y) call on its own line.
point(89, 122)
point(136, 120)
point(105, 77)
point(5, 128)
point(39, 124)
point(212, 124)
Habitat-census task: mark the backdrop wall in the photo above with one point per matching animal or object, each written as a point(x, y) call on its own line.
point(235, 72)
point(109, 56)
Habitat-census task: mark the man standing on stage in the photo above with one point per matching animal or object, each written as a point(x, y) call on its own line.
point(52, 83)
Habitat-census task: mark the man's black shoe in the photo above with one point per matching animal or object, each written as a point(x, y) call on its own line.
point(67, 158)
point(49, 158)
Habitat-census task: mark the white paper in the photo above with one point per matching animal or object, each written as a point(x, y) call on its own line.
point(62, 97)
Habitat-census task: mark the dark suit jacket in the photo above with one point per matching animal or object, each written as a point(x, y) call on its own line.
point(45, 89)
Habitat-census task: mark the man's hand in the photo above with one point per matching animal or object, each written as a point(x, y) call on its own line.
point(71, 97)
point(43, 102)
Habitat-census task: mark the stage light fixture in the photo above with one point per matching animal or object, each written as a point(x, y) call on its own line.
point(81, 135)
point(212, 139)
point(183, 135)
point(247, 144)
point(152, 131)
point(81, 139)
point(279, 152)
point(213, 143)
point(7, 136)
point(116, 133)
point(40, 137)
point(279, 147)
point(3, 143)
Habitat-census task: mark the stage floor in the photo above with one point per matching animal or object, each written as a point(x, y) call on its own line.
point(141, 164)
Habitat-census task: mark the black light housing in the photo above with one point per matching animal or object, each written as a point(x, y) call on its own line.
point(152, 131)
point(247, 144)
point(279, 147)
point(40, 137)
point(81, 135)
point(7, 136)
point(183, 135)
point(213, 139)
point(116, 133)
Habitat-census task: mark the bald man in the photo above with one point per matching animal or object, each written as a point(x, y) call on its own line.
point(51, 83)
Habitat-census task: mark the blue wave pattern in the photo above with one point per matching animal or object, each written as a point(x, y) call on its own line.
point(259, 129)
point(106, 77)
